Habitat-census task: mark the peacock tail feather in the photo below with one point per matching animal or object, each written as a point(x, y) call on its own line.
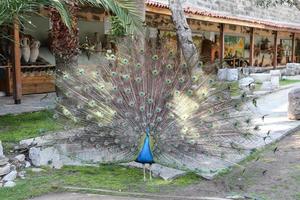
point(191, 116)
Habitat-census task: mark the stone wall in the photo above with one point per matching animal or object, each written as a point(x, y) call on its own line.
point(245, 9)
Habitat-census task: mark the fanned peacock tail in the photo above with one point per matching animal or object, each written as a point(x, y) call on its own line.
point(190, 115)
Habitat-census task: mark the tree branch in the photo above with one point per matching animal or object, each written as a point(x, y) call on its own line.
point(184, 34)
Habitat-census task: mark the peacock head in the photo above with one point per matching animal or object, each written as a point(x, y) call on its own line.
point(147, 131)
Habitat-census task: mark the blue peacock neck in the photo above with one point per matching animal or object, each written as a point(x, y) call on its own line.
point(145, 156)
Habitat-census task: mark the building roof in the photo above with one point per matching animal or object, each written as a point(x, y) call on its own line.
point(280, 18)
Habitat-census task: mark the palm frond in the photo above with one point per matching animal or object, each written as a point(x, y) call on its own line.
point(126, 10)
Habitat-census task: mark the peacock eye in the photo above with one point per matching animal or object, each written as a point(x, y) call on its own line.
point(55, 116)
point(138, 65)
point(65, 76)
point(114, 74)
point(142, 108)
point(169, 66)
point(149, 101)
point(81, 71)
point(127, 90)
point(126, 77)
point(155, 72)
point(159, 119)
point(194, 78)
point(177, 92)
point(124, 61)
point(168, 81)
point(88, 117)
point(155, 57)
point(142, 51)
point(119, 100)
point(142, 94)
point(149, 115)
point(200, 64)
point(115, 88)
point(101, 87)
point(131, 103)
point(138, 79)
point(169, 105)
point(158, 110)
point(184, 65)
point(190, 92)
point(181, 80)
point(92, 103)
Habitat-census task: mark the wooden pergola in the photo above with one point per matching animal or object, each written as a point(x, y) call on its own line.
point(222, 21)
point(253, 25)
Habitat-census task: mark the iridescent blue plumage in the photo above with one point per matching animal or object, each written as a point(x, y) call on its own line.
point(145, 156)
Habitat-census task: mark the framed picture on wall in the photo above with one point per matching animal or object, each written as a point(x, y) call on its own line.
point(234, 46)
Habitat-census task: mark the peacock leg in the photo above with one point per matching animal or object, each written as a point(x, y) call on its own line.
point(144, 172)
point(150, 172)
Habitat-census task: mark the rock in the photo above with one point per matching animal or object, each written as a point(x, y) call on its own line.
point(27, 164)
point(261, 77)
point(47, 156)
point(247, 84)
point(22, 174)
point(27, 142)
point(275, 82)
point(4, 170)
point(20, 157)
point(2, 94)
point(222, 74)
point(232, 75)
point(228, 74)
point(1, 149)
point(37, 170)
point(3, 161)
point(9, 184)
point(160, 171)
point(294, 104)
point(266, 86)
point(10, 176)
point(276, 73)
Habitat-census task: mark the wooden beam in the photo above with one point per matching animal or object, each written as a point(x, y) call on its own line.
point(17, 82)
point(275, 49)
point(252, 42)
point(293, 47)
point(221, 44)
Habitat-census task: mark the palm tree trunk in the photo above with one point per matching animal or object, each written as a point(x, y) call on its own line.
point(65, 41)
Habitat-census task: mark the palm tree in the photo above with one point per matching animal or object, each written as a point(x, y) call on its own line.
point(66, 40)
point(63, 15)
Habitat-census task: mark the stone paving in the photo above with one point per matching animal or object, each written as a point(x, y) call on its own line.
point(30, 103)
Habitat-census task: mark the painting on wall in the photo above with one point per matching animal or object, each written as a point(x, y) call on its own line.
point(234, 46)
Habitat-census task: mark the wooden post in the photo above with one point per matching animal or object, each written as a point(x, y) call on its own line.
point(275, 49)
point(17, 82)
point(293, 48)
point(251, 58)
point(221, 44)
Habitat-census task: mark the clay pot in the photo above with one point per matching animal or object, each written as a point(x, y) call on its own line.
point(25, 50)
point(34, 51)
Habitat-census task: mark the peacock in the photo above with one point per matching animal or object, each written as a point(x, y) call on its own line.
point(146, 104)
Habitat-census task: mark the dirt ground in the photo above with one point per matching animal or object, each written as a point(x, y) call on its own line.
point(271, 176)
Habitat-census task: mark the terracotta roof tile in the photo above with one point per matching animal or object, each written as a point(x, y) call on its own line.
point(197, 11)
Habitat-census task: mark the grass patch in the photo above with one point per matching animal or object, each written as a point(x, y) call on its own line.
point(14, 128)
point(112, 177)
point(285, 82)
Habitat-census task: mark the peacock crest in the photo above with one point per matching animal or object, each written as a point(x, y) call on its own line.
point(186, 113)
